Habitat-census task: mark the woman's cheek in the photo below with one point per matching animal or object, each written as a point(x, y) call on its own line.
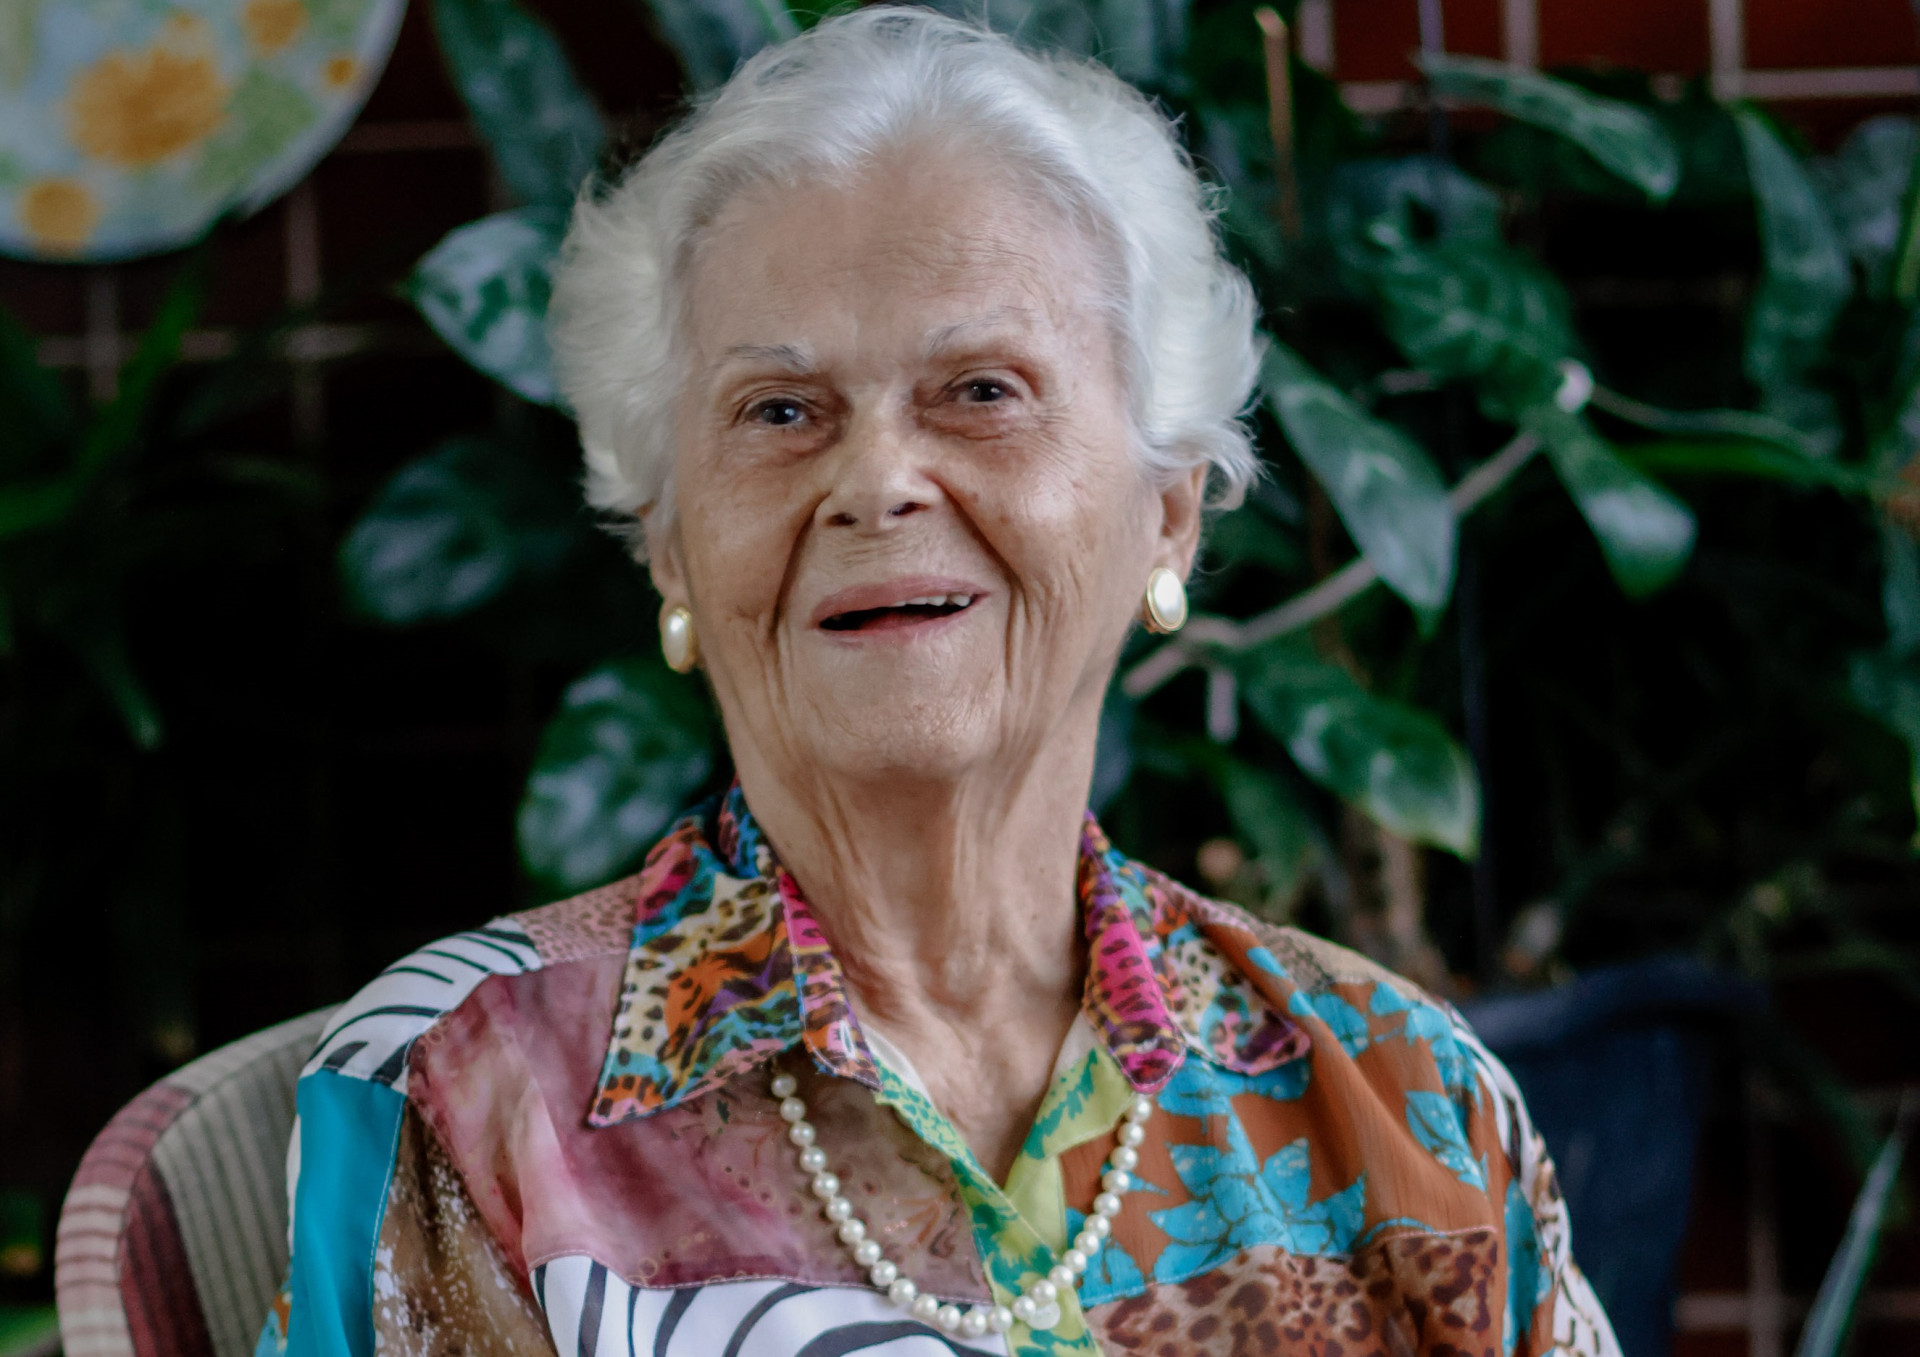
point(1064, 529)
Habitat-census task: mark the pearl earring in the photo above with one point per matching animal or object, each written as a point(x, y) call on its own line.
point(1165, 609)
point(677, 641)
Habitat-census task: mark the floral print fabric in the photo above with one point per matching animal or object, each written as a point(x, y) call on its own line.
point(1334, 1162)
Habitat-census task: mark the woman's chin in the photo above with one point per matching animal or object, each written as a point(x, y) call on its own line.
point(929, 729)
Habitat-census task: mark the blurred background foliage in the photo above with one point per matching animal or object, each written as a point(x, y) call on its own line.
point(1551, 639)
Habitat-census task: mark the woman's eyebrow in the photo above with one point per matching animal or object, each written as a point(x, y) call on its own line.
point(793, 357)
point(964, 333)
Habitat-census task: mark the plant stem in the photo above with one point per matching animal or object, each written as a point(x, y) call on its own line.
point(1273, 42)
point(1721, 423)
point(1325, 598)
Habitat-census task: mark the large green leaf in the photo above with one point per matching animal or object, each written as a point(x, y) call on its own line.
point(1475, 310)
point(451, 531)
point(1645, 532)
point(1394, 762)
point(1804, 281)
point(1387, 190)
point(1864, 186)
point(485, 289)
point(540, 124)
point(628, 747)
point(1540, 163)
point(712, 37)
point(1834, 1308)
point(1385, 487)
point(1628, 141)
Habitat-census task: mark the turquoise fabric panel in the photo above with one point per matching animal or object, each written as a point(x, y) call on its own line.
point(349, 1129)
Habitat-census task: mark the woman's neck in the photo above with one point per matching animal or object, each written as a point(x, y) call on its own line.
point(952, 910)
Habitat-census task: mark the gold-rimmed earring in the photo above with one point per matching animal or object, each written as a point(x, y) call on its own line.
point(1165, 607)
point(677, 640)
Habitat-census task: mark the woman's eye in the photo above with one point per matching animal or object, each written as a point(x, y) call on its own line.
point(778, 413)
point(984, 391)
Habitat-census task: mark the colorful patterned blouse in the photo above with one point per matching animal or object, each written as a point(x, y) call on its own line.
point(555, 1134)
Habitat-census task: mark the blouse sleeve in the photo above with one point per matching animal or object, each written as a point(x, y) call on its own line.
point(1552, 1310)
point(389, 1256)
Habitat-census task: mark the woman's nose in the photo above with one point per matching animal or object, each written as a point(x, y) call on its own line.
point(878, 478)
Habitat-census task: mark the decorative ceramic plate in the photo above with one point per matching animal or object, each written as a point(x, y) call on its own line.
point(128, 126)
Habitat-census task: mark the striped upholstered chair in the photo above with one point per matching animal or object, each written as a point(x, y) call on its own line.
point(173, 1238)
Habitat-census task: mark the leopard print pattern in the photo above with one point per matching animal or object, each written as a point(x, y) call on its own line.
point(708, 994)
point(1211, 964)
point(588, 925)
point(1431, 1295)
point(1124, 997)
point(829, 1026)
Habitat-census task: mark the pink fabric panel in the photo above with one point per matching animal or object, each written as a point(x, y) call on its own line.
point(687, 1195)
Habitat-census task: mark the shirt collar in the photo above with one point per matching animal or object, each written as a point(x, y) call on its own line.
point(728, 968)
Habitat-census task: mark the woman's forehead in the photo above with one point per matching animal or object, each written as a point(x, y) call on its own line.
point(934, 266)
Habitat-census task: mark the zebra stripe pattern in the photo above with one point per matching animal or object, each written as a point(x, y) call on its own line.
point(593, 1313)
point(370, 1036)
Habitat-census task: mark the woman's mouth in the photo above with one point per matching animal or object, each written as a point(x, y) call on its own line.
point(893, 607)
point(899, 614)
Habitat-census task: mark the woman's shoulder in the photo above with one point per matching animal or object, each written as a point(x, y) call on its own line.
point(372, 1034)
point(1289, 959)
point(1223, 961)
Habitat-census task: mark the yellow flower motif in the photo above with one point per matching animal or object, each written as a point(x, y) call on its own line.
point(134, 108)
point(340, 72)
point(58, 214)
point(273, 25)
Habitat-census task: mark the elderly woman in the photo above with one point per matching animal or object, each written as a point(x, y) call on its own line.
point(914, 363)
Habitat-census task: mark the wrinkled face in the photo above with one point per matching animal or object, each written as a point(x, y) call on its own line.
point(910, 525)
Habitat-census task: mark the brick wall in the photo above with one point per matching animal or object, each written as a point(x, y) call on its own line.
point(1853, 53)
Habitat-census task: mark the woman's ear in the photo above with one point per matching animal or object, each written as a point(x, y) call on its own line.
point(1181, 503)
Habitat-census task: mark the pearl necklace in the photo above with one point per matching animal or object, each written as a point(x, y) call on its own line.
point(1038, 1306)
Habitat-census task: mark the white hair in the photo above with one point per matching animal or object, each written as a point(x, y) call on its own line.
point(829, 102)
